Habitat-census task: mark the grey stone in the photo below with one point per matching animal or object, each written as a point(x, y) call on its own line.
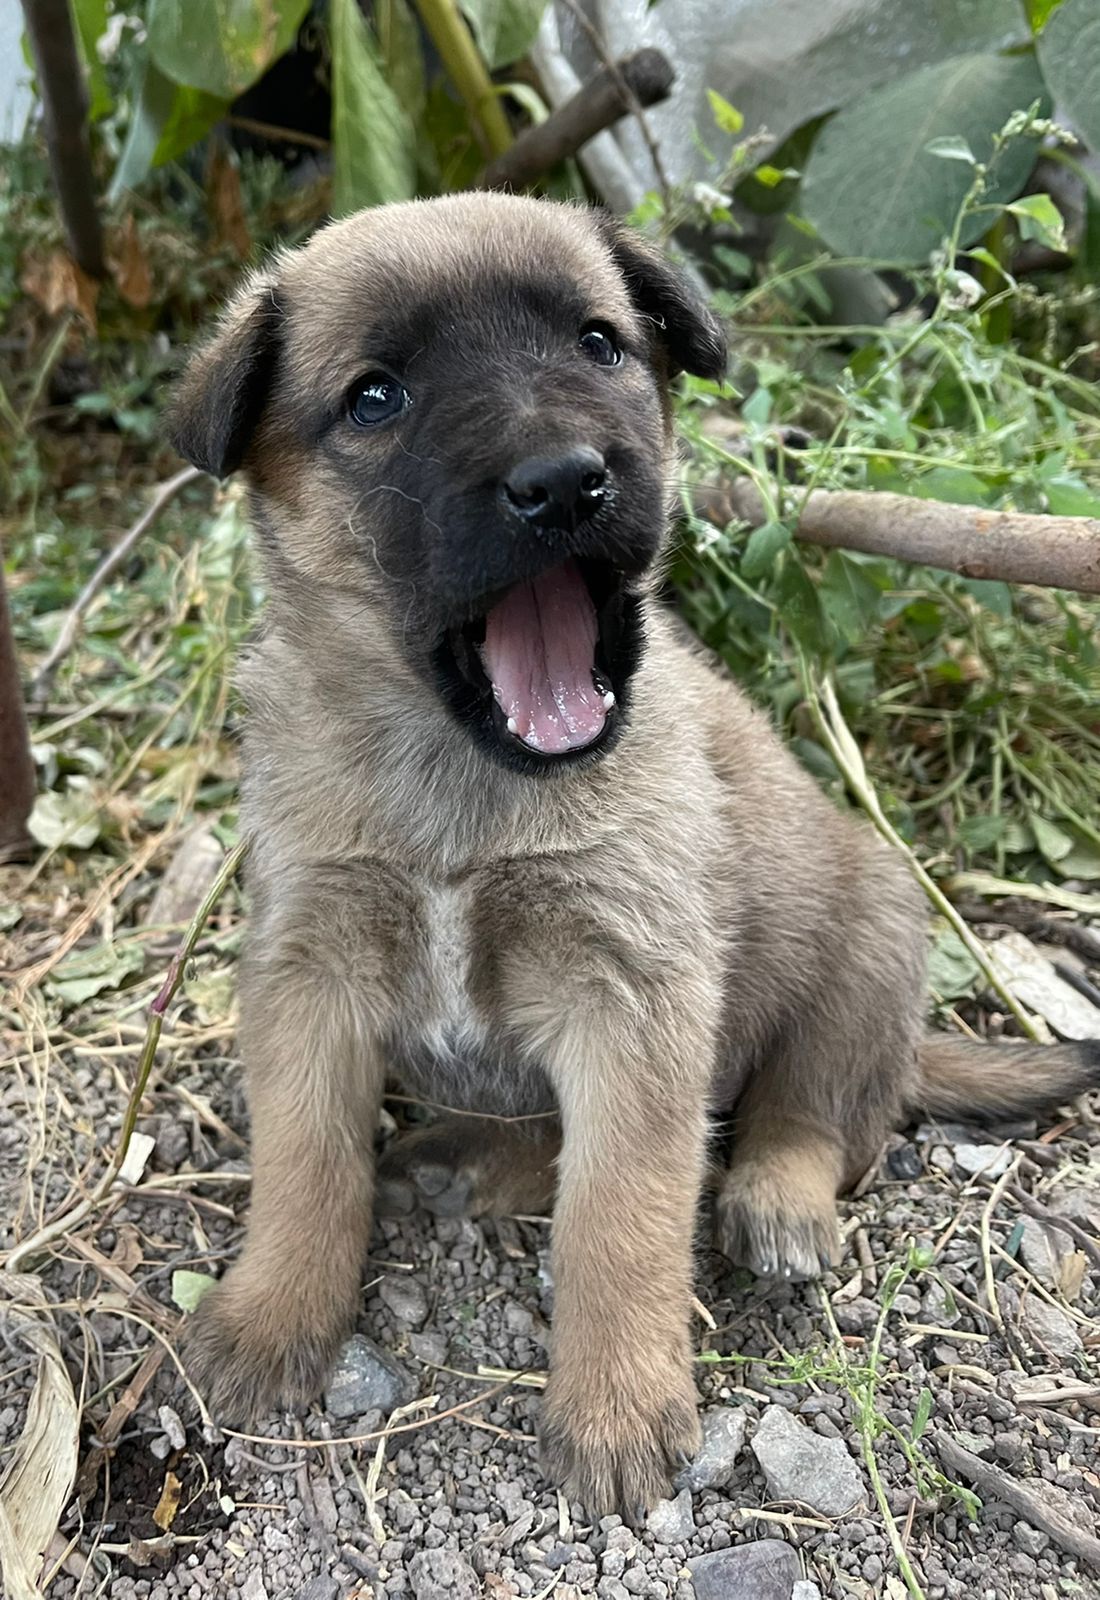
point(173, 1427)
point(253, 1587)
point(805, 1590)
point(429, 1347)
point(801, 1466)
point(1029, 1539)
point(1042, 1250)
point(365, 1379)
point(1049, 1328)
point(324, 1588)
point(404, 1299)
point(443, 1575)
point(723, 1438)
point(991, 1160)
point(765, 1570)
point(671, 1521)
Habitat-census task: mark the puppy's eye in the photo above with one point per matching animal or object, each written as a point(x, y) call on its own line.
point(376, 398)
point(599, 345)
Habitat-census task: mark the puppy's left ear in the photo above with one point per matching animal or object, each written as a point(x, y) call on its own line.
point(684, 325)
point(218, 401)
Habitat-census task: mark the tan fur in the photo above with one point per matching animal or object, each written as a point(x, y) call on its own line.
point(684, 926)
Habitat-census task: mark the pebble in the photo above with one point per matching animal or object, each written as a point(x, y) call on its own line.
point(801, 1466)
point(318, 1589)
point(404, 1299)
point(1042, 1250)
point(1029, 1539)
point(173, 1427)
point(991, 1160)
point(671, 1521)
point(765, 1570)
point(443, 1575)
point(1048, 1328)
point(805, 1590)
point(365, 1379)
point(723, 1439)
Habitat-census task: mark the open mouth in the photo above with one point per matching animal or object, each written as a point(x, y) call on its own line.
point(543, 658)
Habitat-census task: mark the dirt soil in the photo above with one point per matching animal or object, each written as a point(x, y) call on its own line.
point(884, 1361)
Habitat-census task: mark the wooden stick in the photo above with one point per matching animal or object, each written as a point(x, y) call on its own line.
point(1035, 1506)
point(1012, 546)
point(645, 77)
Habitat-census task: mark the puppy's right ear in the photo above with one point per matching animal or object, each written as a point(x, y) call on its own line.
point(221, 394)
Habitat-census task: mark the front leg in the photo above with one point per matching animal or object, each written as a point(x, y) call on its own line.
point(631, 1064)
point(266, 1336)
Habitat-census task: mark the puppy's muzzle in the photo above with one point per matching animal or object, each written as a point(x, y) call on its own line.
point(556, 492)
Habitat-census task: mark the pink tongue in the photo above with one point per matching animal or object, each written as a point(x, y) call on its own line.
point(539, 652)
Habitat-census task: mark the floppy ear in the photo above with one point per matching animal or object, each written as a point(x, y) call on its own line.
point(685, 325)
point(221, 394)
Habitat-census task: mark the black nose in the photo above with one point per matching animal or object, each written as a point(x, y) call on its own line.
point(551, 491)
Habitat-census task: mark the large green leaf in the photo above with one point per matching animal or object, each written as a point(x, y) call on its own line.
point(221, 46)
point(872, 187)
point(374, 142)
point(90, 17)
point(167, 119)
point(504, 29)
point(1069, 53)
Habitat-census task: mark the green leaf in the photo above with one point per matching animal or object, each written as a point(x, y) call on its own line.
point(1039, 13)
point(90, 17)
point(764, 547)
point(1069, 496)
point(374, 140)
point(800, 609)
point(221, 46)
point(850, 598)
point(167, 119)
point(88, 972)
point(1069, 54)
point(504, 29)
point(952, 970)
point(64, 819)
point(922, 1415)
point(1082, 859)
point(950, 148)
point(872, 189)
point(1053, 842)
point(728, 118)
point(188, 1288)
point(980, 832)
point(1039, 218)
point(401, 53)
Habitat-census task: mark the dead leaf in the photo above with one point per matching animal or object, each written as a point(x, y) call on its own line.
point(42, 1467)
point(1071, 1275)
point(130, 265)
point(225, 201)
point(58, 284)
point(127, 1253)
point(169, 1502)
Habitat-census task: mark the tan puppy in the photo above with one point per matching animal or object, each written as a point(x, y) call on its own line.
point(512, 841)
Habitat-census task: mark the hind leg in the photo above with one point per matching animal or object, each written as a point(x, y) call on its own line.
point(808, 1124)
point(472, 1166)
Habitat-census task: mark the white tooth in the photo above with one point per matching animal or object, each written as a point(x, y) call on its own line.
point(609, 699)
point(513, 725)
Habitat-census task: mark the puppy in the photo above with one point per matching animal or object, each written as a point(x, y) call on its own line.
point(513, 842)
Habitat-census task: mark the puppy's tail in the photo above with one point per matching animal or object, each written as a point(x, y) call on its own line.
point(972, 1081)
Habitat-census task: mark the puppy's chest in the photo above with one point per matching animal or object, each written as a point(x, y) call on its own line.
point(447, 1048)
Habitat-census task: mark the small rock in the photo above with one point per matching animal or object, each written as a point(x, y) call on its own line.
point(939, 1307)
point(430, 1347)
point(1029, 1539)
point(991, 1160)
point(173, 1427)
point(318, 1589)
point(977, 1443)
point(518, 1320)
point(765, 1570)
point(1042, 1249)
point(1049, 1328)
point(443, 1575)
point(365, 1379)
point(805, 1590)
point(161, 1446)
point(404, 1299)
point(253, 1587)
point(671, 1521)
point(800, 1465)
point(723, 1438)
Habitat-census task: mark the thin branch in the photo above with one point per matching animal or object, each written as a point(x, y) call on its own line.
point(62, 1225)
point(645, 77)
point(1012, 546)
point(18, 785)
point(105, 571)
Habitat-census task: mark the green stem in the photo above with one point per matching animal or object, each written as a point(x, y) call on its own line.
point(466, 70)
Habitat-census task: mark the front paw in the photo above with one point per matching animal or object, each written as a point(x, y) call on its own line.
point(251, 1349)
point(616, 1445)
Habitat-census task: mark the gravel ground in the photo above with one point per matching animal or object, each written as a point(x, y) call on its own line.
point(783, 1507)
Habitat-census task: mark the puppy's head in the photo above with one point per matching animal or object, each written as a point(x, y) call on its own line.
point(457, 409)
